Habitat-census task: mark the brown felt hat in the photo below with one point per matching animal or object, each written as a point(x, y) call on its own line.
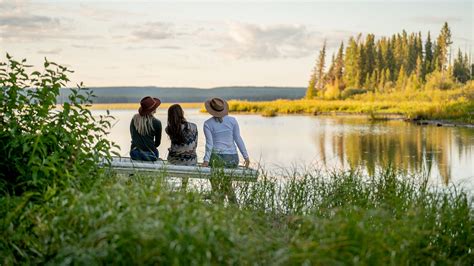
point(147, 105)
point(217, 107)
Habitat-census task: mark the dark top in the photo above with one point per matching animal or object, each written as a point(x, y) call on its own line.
point(185, 153)
point(148, 142)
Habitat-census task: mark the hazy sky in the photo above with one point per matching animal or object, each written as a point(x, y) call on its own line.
point(207, 44)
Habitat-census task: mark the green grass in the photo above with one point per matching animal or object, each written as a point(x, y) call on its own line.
point(340, 218)
point(455, 104)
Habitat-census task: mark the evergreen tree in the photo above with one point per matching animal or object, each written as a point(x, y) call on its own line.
point(419, 70)
point(310, 91)
point(351, 73)
point(461, 71)
point(428, 55)
point(381, 84)
point(362, 64)
point(442, 47)
point(370, 54)
point(379, 59)
point(401, 79)
point(398, 54)
point(388, 78)
point(401, 62)
point(330, 76)
point(374, 80)
point(472, 71)
point(320, 82)
point(419, 47)
point(339, 64)
point(412, 54)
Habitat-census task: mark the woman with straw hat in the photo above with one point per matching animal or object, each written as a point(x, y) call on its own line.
point(222, 135)
point(145, 130)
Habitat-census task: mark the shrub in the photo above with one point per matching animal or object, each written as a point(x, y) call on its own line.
point(439, 80)
point(351, 92)
point(44, 146)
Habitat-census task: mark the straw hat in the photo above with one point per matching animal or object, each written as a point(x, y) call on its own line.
point(148, 105)
point(217, 107)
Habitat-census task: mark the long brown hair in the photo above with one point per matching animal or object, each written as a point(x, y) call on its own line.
point(175, 120)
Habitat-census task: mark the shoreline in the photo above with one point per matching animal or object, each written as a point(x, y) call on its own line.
point(372, 117)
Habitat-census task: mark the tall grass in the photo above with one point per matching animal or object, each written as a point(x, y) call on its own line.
point(456, 104)
point(313, 218)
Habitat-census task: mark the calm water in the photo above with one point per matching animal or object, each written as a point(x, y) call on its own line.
point(446, 153)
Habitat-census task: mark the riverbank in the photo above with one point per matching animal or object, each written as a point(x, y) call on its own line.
point(444, 107)
point(436, 107)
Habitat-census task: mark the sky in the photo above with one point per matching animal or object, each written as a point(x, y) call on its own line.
point(209, 44)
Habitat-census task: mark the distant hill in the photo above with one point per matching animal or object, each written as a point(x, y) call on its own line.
point(134, 94)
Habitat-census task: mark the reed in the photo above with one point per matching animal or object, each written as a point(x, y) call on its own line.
point(457, 104)
point(310, 218)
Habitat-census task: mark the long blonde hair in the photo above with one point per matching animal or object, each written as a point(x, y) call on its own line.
point(143, 124)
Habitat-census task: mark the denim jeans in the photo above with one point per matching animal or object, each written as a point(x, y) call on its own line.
point(137, 154)
point(224, 160)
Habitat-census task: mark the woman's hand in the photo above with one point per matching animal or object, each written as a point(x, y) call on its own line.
point(246, 163)
point(205, 164)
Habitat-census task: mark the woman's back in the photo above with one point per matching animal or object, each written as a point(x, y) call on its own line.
point(222, 135)
point(184, 153)
point(148, 141)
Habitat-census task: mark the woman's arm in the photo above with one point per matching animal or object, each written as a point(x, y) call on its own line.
point(158, 128)
point(209, 143)
point(238, 140)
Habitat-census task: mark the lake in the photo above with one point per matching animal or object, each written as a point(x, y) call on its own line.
point(446, 154)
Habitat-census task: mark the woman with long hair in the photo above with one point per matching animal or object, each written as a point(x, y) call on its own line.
point(183, 136)
point(145, 131)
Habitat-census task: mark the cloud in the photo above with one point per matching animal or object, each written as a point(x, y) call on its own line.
point(52, 51)
point(16, 22)
point(154, 31)
point(436, 19)
point(276, 41)
point(21, 21)
point(90, 47)
point(171, 47)
point(103, 14)
point(28, 22)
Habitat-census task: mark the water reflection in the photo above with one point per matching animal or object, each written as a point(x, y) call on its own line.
point(446, 154)
point(411, 148)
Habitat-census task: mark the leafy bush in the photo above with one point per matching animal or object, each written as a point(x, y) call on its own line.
point(43, 146)
point(351, 92)
point(439, 81)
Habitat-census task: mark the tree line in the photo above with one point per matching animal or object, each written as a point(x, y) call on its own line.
point(397, 63)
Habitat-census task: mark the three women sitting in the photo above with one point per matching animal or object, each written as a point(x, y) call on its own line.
point(221, 131)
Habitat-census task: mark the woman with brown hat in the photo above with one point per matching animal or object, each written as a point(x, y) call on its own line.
point(145, 130)
point(222, 135)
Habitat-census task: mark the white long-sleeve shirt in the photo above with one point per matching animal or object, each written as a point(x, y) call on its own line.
point(222, 137)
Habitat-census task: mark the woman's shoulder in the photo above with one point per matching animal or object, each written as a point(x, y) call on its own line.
point(230, 119)
point(191, 125)
point(209, 121)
